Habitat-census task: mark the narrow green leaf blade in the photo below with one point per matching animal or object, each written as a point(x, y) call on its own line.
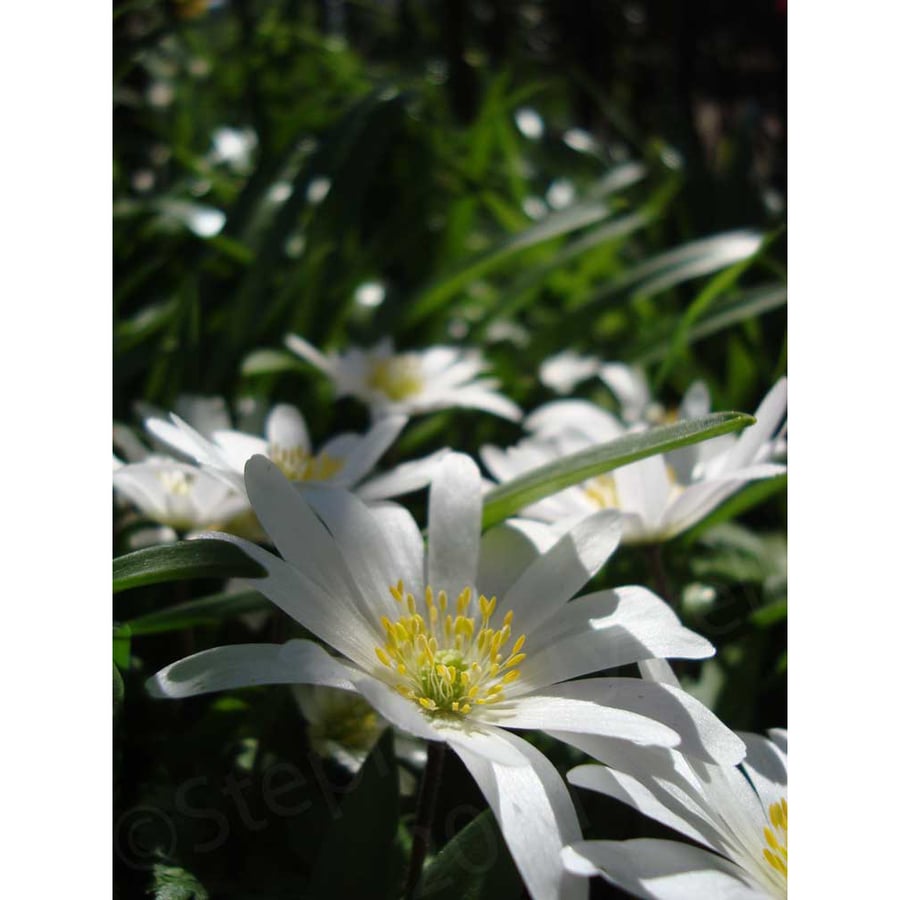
point(367, 823)
point(553, 226)
point(506, 499)
point(474, 864)
point(267, 362)
point(186, 559)
point(205, 611)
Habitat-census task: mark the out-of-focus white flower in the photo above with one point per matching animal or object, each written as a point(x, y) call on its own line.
point(530, 123)
point(561, 193)
point(370, 294)
point(412, 382)
point(738, 814)
point(563, 371)
point(234, 147)
point(343, 461)
point(659, 497)
point(343, 726)
point(580, 140)
point(179, 496)
point(463, 641)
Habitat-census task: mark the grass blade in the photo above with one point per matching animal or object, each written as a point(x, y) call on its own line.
point(186, 559)
point(506, 499)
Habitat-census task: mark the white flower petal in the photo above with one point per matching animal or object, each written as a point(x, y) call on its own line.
point(768, 417)
point(506, 551)
point(579, 415)
point(643, 488)
point(606, 629)
point(376, 557)
point(766, 767)
point(299, 535)
point(244, 665)
point(630, 388)
point(646, 796)
point(555, 576)
point(286, 428)
point(454, 524)
point(328, 614)
point(536, 816)
point(397, 709)
point(405, 478)
point(567, 713)
point(371, 448)
point(662, 870)
point(700, 733)
point(235, 448)
point(701, 498)
point(477, 395)
point(306, 351)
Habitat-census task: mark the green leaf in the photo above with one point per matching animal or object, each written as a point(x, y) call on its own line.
point(205, 611)
point(267, 362)
point(506, 499)
point(770, 614)
point(174, 883)
point(701, 303)
point(556, 225)
point(366, 823)
point(118, 689)
point(748, 305)
point(474, 864)
point(186, 559)
point(122, 647)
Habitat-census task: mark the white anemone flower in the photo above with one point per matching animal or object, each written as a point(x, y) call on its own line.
point(178, 496)
point(343, 461)
point(737, 814)
point(412, 382)
point(659, 497)
point(463, 641)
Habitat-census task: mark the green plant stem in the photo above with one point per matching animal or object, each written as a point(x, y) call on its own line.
point(428, 790)
point(658, 571)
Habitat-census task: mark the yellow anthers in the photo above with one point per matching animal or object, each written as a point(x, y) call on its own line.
point(297, 464)
point(776, 854)
point(448, 663)
point(601, 491)
point(177, 482)
point(397, 377)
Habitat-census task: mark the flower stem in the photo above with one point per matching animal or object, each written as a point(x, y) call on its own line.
point(658, 570)
point(428, 790)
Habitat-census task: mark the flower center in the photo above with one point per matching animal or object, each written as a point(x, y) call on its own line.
point(601, 491)
point(449, 664)
point(397, 377)
point(176, 482)
point(776, 853)
point(298, 465)
point(348, 721)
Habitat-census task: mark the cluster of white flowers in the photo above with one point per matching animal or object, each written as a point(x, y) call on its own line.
point(467, 638)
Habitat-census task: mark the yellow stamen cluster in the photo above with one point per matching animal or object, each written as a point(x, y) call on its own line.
point(298, 465)
point(449, 663)
point(601, 491)
point(776, 853)
point(397, 377)
point(177, 482)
